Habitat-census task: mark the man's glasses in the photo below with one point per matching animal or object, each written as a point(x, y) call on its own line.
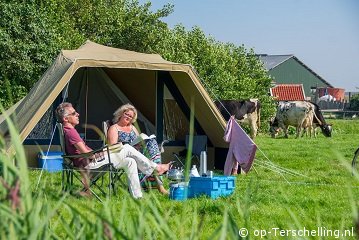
point(71, 114)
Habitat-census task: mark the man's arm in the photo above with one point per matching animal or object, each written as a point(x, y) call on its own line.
point(81, 146)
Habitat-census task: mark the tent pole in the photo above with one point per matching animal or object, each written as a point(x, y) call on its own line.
point(86, 101)
point(159, 107)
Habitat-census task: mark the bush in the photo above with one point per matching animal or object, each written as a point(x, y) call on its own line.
point(354, 103)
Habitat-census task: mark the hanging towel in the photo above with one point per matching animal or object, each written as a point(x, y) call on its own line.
point(242, 149)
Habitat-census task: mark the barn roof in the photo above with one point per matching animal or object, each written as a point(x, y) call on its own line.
point(288, 92)
point(272, 61)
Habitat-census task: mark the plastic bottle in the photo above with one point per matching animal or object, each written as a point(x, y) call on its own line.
point(194, 171)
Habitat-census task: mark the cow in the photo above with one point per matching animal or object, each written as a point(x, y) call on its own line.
point(292, 113)
point(300, 114)
point(308, 124)
point(319, 121)
point(245, 111)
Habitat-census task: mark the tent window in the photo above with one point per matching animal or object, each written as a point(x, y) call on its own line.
point(43, 129)
point(176, 125)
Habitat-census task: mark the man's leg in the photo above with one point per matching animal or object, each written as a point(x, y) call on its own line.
point(130, 166)
point(85, 181)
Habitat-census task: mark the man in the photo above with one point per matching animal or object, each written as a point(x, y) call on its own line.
point(127, 157)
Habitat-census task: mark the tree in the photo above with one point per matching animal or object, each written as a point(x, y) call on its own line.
point(354, 103)
point(227, 71)
point(31, 35)
point(33, 32)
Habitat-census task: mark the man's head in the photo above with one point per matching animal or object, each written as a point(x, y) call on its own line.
point(65, 113)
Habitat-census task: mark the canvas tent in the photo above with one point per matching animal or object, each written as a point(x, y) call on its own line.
point(97, 79)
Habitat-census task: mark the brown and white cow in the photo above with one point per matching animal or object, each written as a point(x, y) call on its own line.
point(317, 121)
point(308, 125)
point(245, 111)
point(300, 114)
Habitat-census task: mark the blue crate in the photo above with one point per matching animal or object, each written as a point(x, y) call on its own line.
point(53, 161)
point(213, 187)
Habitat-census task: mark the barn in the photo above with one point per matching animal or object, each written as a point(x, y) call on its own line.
point(288, 69)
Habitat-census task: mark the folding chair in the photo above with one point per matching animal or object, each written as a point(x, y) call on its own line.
point(70, 172)
point(199, 144)
point(105, 126)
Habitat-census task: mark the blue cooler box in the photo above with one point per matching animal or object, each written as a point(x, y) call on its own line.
point(53, 161)
point(179, 191)
point(213, 187)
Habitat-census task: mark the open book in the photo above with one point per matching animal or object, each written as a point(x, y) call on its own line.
point(141, 138)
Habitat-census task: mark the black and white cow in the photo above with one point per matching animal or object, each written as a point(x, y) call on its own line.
point(293, 113)
point(245, 111)
point(300, 114)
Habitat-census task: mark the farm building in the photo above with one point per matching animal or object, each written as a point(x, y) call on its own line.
point(288, 92)
point(287, 69)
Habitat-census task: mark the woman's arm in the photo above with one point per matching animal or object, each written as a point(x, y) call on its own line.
point(112, 135)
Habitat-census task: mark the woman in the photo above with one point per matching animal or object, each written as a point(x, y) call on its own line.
point(123, 130)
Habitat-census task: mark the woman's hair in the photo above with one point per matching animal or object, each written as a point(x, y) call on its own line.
point(121, 110)
point(61, 111)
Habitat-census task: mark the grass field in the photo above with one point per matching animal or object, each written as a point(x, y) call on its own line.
point(295, 184)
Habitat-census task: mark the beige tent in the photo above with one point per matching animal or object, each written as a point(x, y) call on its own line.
point(97, 79)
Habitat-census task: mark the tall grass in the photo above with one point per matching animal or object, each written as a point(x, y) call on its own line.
point(324, 194)
point(45, 212)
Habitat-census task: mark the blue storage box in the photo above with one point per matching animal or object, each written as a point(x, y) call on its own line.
point(213, 187)
point(53, 161)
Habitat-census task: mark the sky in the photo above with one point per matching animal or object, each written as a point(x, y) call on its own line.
point(323, 34)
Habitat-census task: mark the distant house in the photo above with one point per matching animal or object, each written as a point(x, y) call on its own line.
point(287, 69)
point(288, 92)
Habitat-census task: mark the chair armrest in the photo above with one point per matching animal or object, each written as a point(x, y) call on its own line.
point(114, 147)
point(86, 155)
point(83, 155)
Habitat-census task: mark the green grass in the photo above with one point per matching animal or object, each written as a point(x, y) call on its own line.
point(323, 193)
